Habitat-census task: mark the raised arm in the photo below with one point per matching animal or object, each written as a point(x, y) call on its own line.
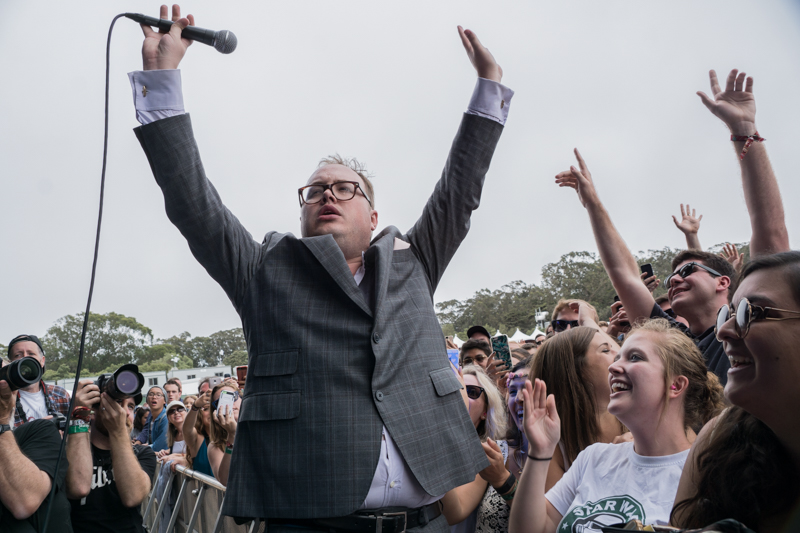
point(531, 512)
point(445, 219)
point(164, 50)
point(133, 483)
point(79, 450)
point(618, 261)
point(736, 107)
point(689, 225)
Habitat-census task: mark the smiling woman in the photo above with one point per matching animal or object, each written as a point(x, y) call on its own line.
point(660, 388)
point(746, 463)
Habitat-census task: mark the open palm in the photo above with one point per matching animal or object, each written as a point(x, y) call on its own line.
point(541, 423)
point(736, 105)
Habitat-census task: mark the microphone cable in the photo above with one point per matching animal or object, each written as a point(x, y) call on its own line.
point(91, 287)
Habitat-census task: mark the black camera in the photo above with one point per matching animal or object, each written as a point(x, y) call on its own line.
point(126, 382)
point(22, 373)
point(60, 421)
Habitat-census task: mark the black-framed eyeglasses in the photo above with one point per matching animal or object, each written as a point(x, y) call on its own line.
point(341, 190)
point(687, 270)
point(474, 392)
point(746, 314)
point(561, 325)
point(215, 403)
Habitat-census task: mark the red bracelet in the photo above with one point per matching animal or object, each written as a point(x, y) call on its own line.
point(748, 141)
point(82, 413)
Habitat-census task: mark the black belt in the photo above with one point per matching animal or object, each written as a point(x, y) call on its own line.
point(384, 520)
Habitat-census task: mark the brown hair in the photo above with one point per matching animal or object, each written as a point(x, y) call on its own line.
point(172, 431)
point(218, 435)
point(703, 399)
point(175, 382)
point(744, 473)
point(708, 259)
point(356, 166)
point(560, 363)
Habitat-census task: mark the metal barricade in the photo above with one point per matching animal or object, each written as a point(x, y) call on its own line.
point(196, 505)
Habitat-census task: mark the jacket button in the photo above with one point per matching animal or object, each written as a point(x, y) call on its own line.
point(376, 338)
point(379, 396)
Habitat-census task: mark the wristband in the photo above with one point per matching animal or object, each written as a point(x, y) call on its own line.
point(539, 458)
point(506, 487)
point(77, 429)
point(510, 494)
point(78, 422)
point(81, 413)
point(193, 408)
point(748, 141)
point(229, 450)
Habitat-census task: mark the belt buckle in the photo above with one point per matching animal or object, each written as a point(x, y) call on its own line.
point(404, 514)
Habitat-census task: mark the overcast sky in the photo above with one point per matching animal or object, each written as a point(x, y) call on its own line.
point(386, 82)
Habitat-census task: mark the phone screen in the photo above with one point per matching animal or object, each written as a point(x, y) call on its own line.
point(226, 398)
point(501, 351)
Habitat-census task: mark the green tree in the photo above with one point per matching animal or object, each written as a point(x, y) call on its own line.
point(237, 358)
point(112, 340)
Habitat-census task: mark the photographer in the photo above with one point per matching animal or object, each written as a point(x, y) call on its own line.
point(28, 459)
point(38, 400)
point(101, 453)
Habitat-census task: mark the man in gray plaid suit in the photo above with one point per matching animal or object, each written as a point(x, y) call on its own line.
point(352, 418)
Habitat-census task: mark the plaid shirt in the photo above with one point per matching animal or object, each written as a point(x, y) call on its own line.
point(56, 399)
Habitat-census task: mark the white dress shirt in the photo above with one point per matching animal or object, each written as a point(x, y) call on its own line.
point(157, 94)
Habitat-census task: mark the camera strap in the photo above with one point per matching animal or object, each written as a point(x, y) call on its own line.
point(48, 404)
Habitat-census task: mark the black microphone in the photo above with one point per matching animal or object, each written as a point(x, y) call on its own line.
point(224, 41)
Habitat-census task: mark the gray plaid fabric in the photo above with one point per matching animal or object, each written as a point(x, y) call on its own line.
point(326, 372)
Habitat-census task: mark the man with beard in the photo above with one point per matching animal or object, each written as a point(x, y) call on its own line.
point(100, 453)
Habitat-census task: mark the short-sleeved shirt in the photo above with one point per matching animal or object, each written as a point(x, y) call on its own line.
point(713, 352)
point(39, 441)
point(610, 484)
point(102, 510)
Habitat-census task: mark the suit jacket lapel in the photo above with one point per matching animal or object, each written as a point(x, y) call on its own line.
point(330, 256)
point(384, 248)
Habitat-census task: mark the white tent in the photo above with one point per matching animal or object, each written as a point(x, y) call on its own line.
point(458, 342)
point(518, 336)
point(535, 334)
point(497, 334)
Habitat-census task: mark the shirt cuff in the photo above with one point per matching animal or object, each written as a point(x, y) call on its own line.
point(490, 100)
point(157, 94)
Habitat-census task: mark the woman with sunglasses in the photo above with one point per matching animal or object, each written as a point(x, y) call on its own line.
point(660, 389)
point(223, 430)
point(745, 463)
point(487, 412)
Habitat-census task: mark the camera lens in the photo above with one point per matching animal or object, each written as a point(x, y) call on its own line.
point(127, 382)
point(21, 373)
point(29, 370)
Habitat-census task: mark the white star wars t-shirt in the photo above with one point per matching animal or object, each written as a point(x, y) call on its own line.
point(611, 483)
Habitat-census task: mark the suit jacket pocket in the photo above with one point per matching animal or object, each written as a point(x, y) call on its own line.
point(445, 381)
point(262, 406)
point(278, 363)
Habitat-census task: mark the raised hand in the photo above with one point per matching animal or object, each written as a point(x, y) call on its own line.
point(540, 419)
point(497, 370)
point(579, 179)
point(731, 255)
point(164, 50)
point(87, 395)
point(227, 420)
point(496, 473)
point(736, 105)
point(690, 222)
point(480, 56)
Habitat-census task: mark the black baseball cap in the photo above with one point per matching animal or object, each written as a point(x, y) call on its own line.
point(23, 338)
point(477, 329)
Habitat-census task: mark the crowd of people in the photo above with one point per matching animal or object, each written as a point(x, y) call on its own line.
point(677, 411)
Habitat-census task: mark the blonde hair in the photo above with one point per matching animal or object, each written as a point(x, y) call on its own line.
point(704, 398)
point(564, 304)
point(494, 426)
point(356, 166)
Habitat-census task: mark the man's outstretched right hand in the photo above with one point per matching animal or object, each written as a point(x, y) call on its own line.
point(162, 51)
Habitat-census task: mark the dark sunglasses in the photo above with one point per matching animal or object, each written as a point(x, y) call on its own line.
point(215, 403)
point(746, 314)
point(561, 325)
point(687, 269)
point(474, 392)
point(176, 410)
